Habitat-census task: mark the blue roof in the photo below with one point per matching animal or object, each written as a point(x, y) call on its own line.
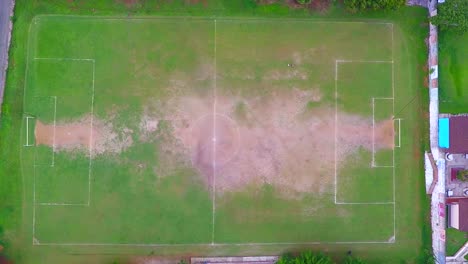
point(444, 132)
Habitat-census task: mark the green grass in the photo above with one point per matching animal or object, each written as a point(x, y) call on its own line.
point(453, 72)
point(411, 236)
point(123, 71)
point(455, 240)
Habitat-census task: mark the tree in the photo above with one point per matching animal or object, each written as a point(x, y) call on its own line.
point(363, 5)
point(462, 175)
point(307, 257)
point(452, 15)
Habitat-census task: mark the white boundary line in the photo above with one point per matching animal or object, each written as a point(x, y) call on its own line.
point(62, 204)
point(27, 132)
point(60, 59)
point(215, 244)
point(213, 220)
point(394, 165)
point(366, 203)
point(34, 242)
point(364, 61)
point(244, 19)
point(373, 134)
point(34, 203)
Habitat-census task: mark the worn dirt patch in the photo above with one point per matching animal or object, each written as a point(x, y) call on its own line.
point(279, 140)
point(78, 135)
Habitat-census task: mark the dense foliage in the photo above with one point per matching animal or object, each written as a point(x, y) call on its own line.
point(309, 257)
point(462, 175)
point(452, 15)
point(362, 5)
point(303, 2)
point(305, 258)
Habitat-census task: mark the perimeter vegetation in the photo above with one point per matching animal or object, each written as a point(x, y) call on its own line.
point(239, 132)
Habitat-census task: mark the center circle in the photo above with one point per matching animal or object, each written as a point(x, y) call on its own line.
point(214, 141)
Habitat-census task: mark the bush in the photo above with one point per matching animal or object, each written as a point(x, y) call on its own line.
point(452, 15)
point(362, 5)
point(303, 2)
point(305, 258)
point(462, 175)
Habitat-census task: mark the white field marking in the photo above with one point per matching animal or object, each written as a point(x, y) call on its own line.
point(364, 61)
point(174, 18)
point(212, 244)
point(62, 204)
point(34, 204)
point(394, 165)
point(336, 125)
point(62, 59)
point(27, 132)
point(33, 21)
point(54, 140)
point(216, 244)
point(373, 133)
point(367, 203)
point(53, 136)
point(399, 132)
point(213, 198)
point(91, 135)
point(373, 126)
point(373, 164)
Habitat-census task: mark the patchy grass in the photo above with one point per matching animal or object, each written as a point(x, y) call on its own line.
point(16, 203)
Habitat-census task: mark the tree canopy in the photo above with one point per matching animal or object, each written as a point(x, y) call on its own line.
point(362, 5)
point(309, 257)
point(452, 15)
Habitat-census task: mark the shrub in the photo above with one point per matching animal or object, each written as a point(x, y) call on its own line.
point(303, 2)
point(462, 175)
point(305, 258)
point(452, 15)
point(362, 5)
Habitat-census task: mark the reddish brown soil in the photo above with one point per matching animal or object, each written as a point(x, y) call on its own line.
point(78, 135)
point(278, 141)
point(66, 136)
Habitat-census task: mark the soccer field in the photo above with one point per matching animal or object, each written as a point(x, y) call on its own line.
point(190, 131)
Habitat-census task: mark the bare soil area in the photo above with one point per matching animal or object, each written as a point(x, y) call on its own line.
point(80, 135)
point(278, 141)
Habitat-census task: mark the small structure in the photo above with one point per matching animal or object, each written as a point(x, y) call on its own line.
point(453, 144)
point(458, 214)
point(453, 134)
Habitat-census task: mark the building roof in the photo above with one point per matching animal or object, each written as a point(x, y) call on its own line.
point(463, 214)
point(458, 135)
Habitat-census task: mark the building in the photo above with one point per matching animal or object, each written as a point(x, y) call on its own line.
point(458, 214)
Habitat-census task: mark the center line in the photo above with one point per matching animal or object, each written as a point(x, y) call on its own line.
point(213, 198)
